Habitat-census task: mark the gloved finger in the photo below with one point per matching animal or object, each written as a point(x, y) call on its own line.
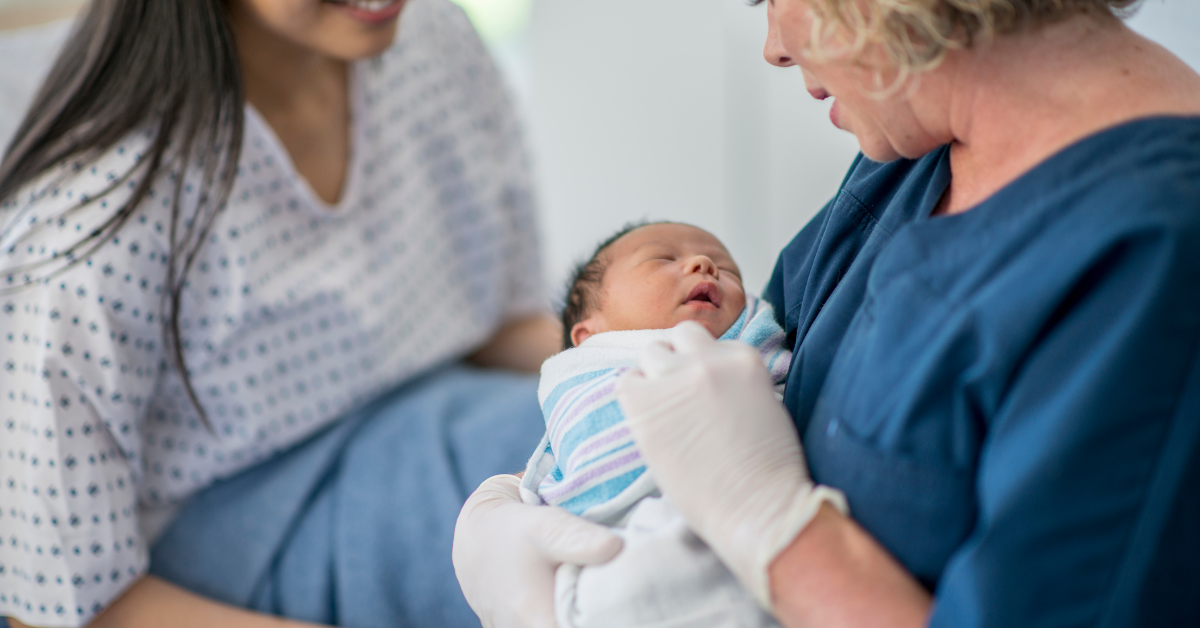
point(506, 485)
point(494, 492)
point(690, 337)
point(564, 538)
point(633, 392)
point(658, 359)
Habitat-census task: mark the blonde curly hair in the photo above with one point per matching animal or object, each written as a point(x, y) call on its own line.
point(915, 35)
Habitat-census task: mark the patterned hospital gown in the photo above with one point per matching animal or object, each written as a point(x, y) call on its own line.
point(294, 313)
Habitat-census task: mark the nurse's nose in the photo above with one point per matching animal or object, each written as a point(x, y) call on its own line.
point(773, 50)
point(701, 264)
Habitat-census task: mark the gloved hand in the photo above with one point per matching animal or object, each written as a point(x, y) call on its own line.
point(505, 553)
point(722, 449)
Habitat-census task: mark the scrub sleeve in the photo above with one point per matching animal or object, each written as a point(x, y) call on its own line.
point(1010, 397)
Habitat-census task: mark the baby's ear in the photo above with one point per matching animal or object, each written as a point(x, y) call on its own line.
point(584, 329)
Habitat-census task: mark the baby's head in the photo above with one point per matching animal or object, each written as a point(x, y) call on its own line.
point(654, 276)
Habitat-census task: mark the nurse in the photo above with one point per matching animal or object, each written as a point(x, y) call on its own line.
point(996, 326)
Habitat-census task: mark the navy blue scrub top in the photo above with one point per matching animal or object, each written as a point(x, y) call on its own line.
point(1010, 397)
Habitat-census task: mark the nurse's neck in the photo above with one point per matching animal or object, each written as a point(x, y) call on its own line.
point(1010, 105)
point(303, 95)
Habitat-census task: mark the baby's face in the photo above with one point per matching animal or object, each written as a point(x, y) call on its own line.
point(661, 275)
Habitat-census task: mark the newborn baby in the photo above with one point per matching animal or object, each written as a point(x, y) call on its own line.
point(639, 283)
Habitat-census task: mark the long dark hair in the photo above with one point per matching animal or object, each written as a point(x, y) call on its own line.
point(169, 66)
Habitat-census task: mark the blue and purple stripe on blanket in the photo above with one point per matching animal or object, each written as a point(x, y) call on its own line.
point(587, 462)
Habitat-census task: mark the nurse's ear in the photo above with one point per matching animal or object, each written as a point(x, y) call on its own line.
point(585, 329)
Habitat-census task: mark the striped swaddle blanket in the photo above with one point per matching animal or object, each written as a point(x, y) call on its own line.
point(587, 462)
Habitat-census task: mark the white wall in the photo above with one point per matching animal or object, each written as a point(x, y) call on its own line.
point(653, 109)
point(26, 55)
point(1173, 23)
point(665, 109)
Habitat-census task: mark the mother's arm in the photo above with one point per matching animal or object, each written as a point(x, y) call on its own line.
point(152, 603)
point(522, 344)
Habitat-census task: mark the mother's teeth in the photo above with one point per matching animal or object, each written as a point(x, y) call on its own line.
point(369, 5)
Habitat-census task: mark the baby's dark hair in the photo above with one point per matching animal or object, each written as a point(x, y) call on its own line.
point(583, 287)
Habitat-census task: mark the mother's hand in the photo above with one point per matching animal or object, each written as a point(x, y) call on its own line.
point(505, 553)
point(723, 449)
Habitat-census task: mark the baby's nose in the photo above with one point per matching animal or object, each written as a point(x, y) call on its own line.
point(701, 264)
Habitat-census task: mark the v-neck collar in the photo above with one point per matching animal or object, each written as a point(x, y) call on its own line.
point(350, 187)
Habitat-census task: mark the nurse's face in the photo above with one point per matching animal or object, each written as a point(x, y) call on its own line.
point(887, 127)
point(340, 29)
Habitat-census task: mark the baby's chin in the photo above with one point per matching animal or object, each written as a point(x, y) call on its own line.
point(716, 322)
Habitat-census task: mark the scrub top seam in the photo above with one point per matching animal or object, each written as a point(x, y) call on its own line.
point(875, 222)
point(867, 223)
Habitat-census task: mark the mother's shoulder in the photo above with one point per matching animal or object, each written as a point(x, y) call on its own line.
point(47, 221)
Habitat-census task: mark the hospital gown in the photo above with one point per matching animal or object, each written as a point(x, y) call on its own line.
point(296, 312)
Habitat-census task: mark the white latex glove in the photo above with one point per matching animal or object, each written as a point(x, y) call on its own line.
point(723, 449)
point(505, 553)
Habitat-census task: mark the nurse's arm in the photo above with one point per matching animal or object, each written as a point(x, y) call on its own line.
point(521, 345)
point(153, 603)
point(835, 575)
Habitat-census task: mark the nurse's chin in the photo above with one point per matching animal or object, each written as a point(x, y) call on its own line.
point(881, 150)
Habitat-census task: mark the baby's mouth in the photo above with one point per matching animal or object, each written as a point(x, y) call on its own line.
point(704, 293)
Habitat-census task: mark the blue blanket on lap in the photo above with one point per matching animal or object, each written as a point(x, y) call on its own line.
point(354, 527)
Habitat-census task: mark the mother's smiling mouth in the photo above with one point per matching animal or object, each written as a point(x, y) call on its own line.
point(365, 5)
point(705, 292)
point(374, 12)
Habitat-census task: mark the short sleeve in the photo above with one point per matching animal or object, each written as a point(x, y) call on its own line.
point(522, 249)
point(1086, 484)
point(80, 351)
point(512, 193)
point(789, 267)
point(789, 286)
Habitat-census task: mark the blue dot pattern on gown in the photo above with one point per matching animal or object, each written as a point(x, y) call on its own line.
point(295, 311)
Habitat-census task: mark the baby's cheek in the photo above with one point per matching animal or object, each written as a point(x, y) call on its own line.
point(737, 301)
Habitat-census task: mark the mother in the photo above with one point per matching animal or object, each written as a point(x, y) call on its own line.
point(996, 326)
point(227, 225)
